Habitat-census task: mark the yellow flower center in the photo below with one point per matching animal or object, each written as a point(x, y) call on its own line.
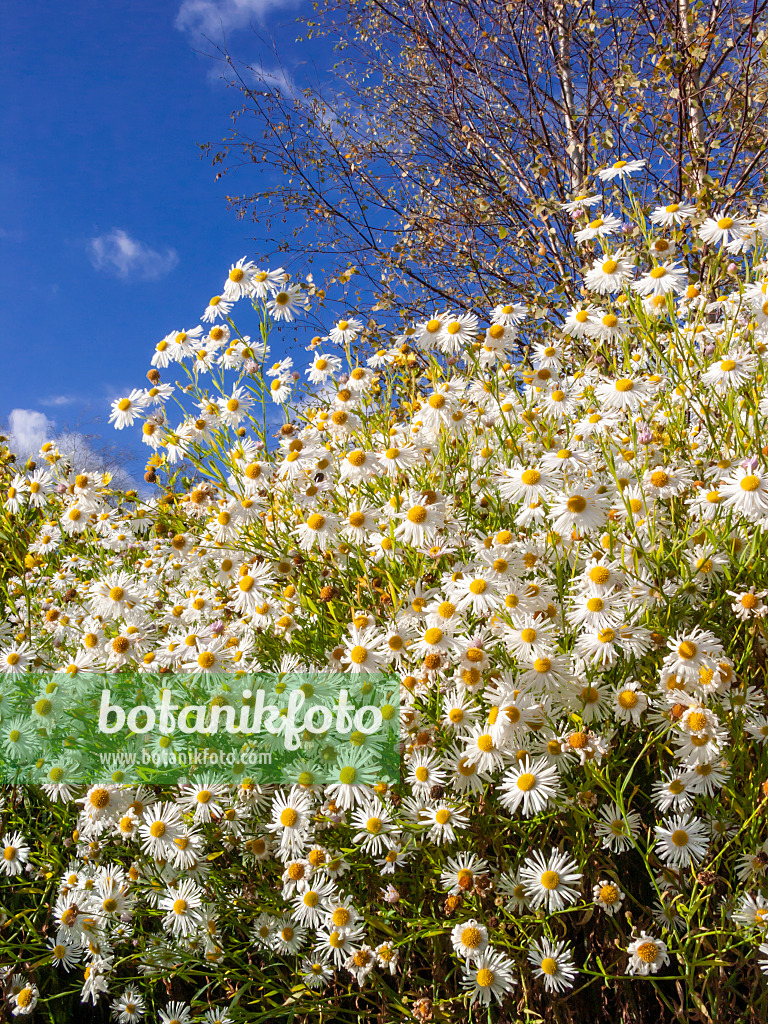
point(697, 721)
point(548, 965)
point(647, 952)
point(609, 894)
point(99, 798)
point(417, 514)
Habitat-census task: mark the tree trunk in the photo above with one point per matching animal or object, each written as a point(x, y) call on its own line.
point(575, 147)
point(695, 110)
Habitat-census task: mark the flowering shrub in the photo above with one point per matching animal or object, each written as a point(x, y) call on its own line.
point(550, 531)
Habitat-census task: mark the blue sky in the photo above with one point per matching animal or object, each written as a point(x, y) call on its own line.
point(113, 230)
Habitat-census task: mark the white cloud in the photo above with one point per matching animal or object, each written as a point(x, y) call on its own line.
point(277, 78)
point(59, 400)
point(77, 449)
point(29, 429)
point(212, 17)
point(117, 253)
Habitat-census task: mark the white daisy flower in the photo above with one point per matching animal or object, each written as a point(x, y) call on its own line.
point(553, 963)
point(490, 977)
point(681, 841)
point(530, 783)
point(551, 882)
point(608, 896)
point(673, 214)
point(646, 954)
point(600, 227)
point(620, 169)
point(664, 279)
point(722, 229)
point(15, 853)
point(469, 939)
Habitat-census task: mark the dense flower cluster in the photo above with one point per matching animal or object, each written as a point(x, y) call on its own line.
point(549, 531)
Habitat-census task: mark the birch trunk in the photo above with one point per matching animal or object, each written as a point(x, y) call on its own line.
point(693, 98)
point(575, 147)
